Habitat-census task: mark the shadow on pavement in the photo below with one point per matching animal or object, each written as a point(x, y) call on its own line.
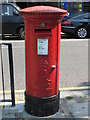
point(84, 84)
point(10, 38)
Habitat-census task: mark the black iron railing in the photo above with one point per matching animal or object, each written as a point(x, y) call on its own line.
point(10, 55)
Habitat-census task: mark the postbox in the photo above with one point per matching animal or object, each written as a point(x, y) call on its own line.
point(42, 58)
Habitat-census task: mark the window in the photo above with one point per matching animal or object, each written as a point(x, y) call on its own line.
point(85, 16)
point(70, 7)
point(88, 15)
point(74, 7)
point(81, 16)
point(8, 10)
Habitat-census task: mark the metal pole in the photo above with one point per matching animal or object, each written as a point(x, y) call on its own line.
point(58, 3)
point(2, 73)
point(11, 73)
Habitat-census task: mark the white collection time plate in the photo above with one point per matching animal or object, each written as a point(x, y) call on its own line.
point(42, 46)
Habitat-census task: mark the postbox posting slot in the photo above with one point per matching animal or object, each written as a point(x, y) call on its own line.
point(42, 30)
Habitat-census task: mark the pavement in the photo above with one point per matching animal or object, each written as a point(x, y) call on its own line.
point(73, 104)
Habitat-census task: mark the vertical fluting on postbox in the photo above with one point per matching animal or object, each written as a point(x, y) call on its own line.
point(42, 58)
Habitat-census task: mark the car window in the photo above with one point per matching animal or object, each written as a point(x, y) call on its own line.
point(80, 16)
point(88, 15)
point(85, 16)
point(17, 7)
point(8, 9)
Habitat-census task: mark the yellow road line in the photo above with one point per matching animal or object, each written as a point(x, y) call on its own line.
point(2, 104)
point(75, 88)
point(16, 91)
point(16, 102)
point(16, 98)
point(61, 89)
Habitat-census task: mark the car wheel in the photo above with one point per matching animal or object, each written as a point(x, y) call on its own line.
point(82, 32)
point(21, 33)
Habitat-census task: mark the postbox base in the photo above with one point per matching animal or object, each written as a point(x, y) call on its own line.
point(41, 107)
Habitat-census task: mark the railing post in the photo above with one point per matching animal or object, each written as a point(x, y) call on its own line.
point(11, 73)
point(2, 72)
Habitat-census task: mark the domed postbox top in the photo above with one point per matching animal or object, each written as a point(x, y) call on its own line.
point(42, 10)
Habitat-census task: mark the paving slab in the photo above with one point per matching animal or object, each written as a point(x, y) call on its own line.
point(19, 112)
point(78, 109)
point(77, 103)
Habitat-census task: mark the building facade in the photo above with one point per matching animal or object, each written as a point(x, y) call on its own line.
point(75, 7)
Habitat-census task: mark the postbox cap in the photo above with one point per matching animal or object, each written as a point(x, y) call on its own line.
point(42, 11)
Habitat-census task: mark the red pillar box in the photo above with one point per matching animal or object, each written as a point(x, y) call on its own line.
point(42, 53)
